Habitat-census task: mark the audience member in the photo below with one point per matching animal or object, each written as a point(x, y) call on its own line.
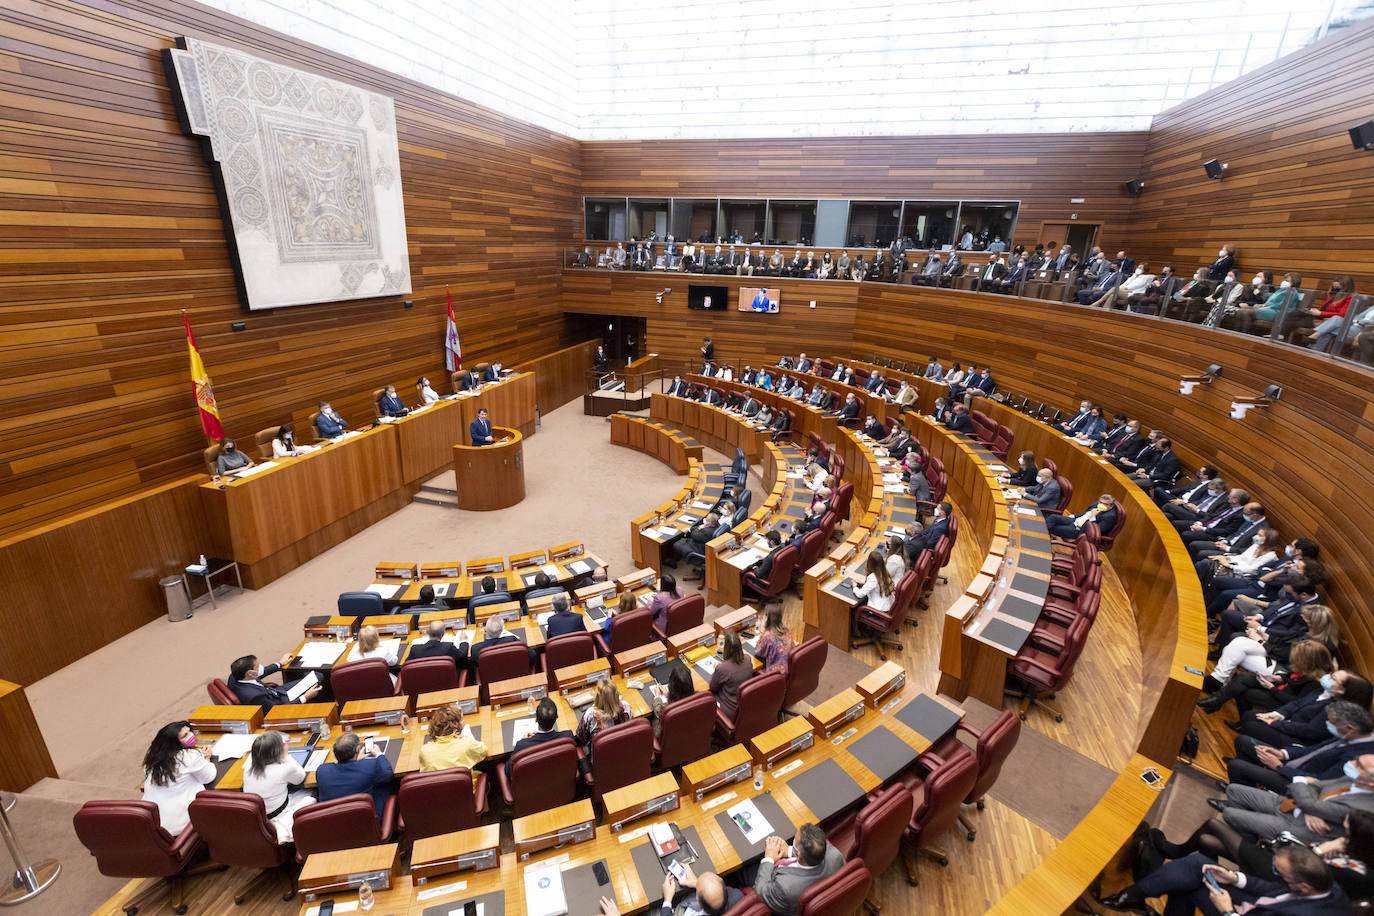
point(783, 876)
point(245, 680)
point(545, 718)
point(349, 773)
point(175, 769)
point(731, 671)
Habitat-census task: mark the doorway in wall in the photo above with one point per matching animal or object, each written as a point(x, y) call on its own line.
point(621, 335)
point(1081, 236)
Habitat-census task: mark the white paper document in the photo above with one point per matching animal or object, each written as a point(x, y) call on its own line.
point(581, 567)
point(551, 570)
point(707, 665)
point(523, 728)
point(544, 891)
point(231, 747)
point(746, 558)
point(894, 488)
point(385, 591)
point(298, 689)
point(317, 653)
point(316, 758)
point(255, 469)
point(750, 821)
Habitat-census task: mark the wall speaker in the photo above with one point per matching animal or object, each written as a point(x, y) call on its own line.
point(1134, 186)
point(1214, 168)
point(1362, 135)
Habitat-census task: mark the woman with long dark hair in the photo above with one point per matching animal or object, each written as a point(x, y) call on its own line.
point(174, 770)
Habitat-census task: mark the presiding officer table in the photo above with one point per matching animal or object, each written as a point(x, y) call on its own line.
point(491, 476)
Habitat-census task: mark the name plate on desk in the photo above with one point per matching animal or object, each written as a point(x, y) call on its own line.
point(704, 635)
point(381, 711)
point(295, 717)
point(645, 656)
point(654, 795)
point(518, 689)
point(881, 683)
point(347, 869)
point(478, 848)
point(573, 823)
point(781, 741)
point(581, 675)
point(836, 712)
point(236, 720)
point(742, 619)
point(704, 776)
point(465, 698)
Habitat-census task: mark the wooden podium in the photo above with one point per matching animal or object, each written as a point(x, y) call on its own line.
point(491, 476)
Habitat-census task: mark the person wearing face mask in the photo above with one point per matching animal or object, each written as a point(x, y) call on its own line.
point(245, 680)
point(1301, 885)
point(1282, 618)
point(1315, 809)
point(1260, 288)
point(919, 540)
point(1226, 259)
point(1223, 300)
point(1347, 733)
point(1302, 720)
point(427, 393)
point(1261, 554)
point(1151, 299)
point(1106, 282)
point(230, 458)
point(1298, 323)
point(1046, 491)
point(174, 770)
point(1137, 281)
point(1253, 522)
point(1308, 662)
point(1162, 469)
point(989, 278)
point(1103, 512)
point(328, 423)
point(390, 404)
point(1286, 293)
point(1190, 296)
point(1332, 313)
point(1182, 501)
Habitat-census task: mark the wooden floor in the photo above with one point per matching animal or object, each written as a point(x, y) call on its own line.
point(1097, 723)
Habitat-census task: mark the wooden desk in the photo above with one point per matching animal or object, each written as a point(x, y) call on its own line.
point(426, 437)
point(276, 519)
point(491, 476)
point(509, 402)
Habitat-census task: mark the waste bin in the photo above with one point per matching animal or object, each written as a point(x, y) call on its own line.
point(178, 601)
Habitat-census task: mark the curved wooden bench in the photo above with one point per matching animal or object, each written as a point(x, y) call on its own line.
point(668, 445)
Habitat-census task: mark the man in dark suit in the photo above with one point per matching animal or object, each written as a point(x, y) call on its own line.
point(496, 634)
point(873, 429)
point(487, 595)
point(1126, 264)
point(919, 539)
point(930, 272)
point(245, 680)
point(1252, 523)
point(1187, 491)
point(1155, 293)
point(764, 567)
point(1125, 446)
point(1196, 502)
point(1061, 262)
point(1131, 461)
point(1105, 281)
point(1109, 437)
point(710, 396)
point(850, 410)
point(974, 386)
point(1018, 274)
point(329, 423)
point(1265, 766)
point(961, 422)
point(563, 620)
point(480, 429)
point(1162, 470)
point(954, 269)
point(428, 605)
point(1045, 491)
point(1069, 528)
point(1078, 420)
point(389, 404)
point(545, 718)
point(472, 381)
point(708, 351)
point(351, 773)
point(678, 388)
point(1305, 888)
point(544, 586)
point(493, 372)
point(1222, 523)
point(990, 277)
point(697, 536)
point(1298, 592)
point(436, 647)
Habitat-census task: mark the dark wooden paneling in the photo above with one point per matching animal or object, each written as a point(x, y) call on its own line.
point(560, 376)
point(1043, 171)
point(110, 225)
point(26, 759)
point(1296, 195)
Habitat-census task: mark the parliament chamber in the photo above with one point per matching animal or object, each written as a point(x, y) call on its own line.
point(693, 594)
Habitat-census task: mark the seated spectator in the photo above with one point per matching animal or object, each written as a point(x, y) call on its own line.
point(1141, 458)
point(980, 385)
point(990, 276)
point(732, 671)
point(1118, 432)
point(544, 586)
point(1304, 884)
point(449, 744)
point(1253, 522)
point(1268, 644)
point(781, 880)
point(608, 709)
point(1302, 720)
point(175, 769)
point(1191, 297)
point(495, 634)
point(1350, 733)
point(775, 643)
point(1162, 470)
point(1308, 662)
point(1330, 314)
point(545, 718)
point(1133, 281)
point(1069, 528)
point(954, 269)
point(369, 645)
point(1104, 282)
point(1182, 501)
point(1077, 421)
point(872, 428)
point(859, 271)
point(435, 646)
point(874, 588)
point(1150, 300)
point(245, 680)
point(920, 539)
point(1223, 300)
point(356, 768)
point(271, 773)
point(929, 274)
point(960, 421)
point(1013, 279)
point(679, 687)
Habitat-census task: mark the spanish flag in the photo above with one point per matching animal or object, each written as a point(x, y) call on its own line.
point(200, 388)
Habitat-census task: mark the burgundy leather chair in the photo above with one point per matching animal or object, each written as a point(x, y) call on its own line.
point(1063, 612)
point(220, 694)
point(836, 464)
point(541, 777)
point(1107, 538)
point(875, 833)
point(1052, 635)
point(1065, 493)
point(809, 551)
point(365, 679)
point(1001, 443)
point(235, 827)
point(426, 675)
point(785, 435)
point(685, 731)
point(883, 624)
point(939, 797)
point(621, 755)
point(499, 663)
point(1072, 561)
point(840, 894)
point(682, 614)
point(565, 650)
point(924, 569)
point(751, 904)
point(993, 745)
point(757, 706)
point(1043, 673)
point(844, 497)
point(342, 823)
point(1050, 463)
point(804, 664)
point(441, 801)
point(128, 841)
point(779, 578)
point(628, 631)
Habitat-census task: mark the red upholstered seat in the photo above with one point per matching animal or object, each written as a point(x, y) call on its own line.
point(682, 614)
point(235, 827)
point(804, 664)
point(685, 731)
point(621, 755)
point(756, 708)
point(365, 679)
point(947, 782)
point(426, 675)
point(128, 841)
point(875, 833)
point(628, 631)
point(342, 823)
point(220, 694)
point(568, 649)
point(441, 801)
point(500, 663)
point(541, 777)
point(840, 894)
point(779, 577)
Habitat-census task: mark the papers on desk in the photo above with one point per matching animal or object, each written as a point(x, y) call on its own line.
point(750, 821)
point(700, 504)
point(551, 570)
point(661, 534)
point(1027, 510)
point(318, 653)
point(999, 468)
point(257, 468)
point(442, 589)
point(348, 435)
point(387, 420)
point(580, 568)
point(457, 637)
point(298, 689)
point(707, 666)
point(746, 558)
point(232, 747)
point(391, 647)
point(894, 488)
point(316, 758)
point(894, 532)
point(521, 729)
point(688, 520)
point(892, 478)
point(796, 475)
point(544, 890)
point(543, 618)
point(386, 591)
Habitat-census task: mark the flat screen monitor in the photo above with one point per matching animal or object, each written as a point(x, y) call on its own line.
point(755, 299)
point(708, 298)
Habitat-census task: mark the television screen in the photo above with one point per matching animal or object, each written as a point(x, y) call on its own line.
point(710, 298)
point(752, 299)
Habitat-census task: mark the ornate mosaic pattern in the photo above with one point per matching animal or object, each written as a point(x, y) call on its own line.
point(311, 173)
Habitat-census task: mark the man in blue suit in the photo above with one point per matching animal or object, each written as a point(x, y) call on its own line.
point(917, 542)
point(389, 404)
point(329, 423)
point(1078, 420)
point(1264, 766)
point(678, 388)
point(245, 680)
point(471, 381)
point(1162, 470)
point(350, 774)
point(563, 620)
point(480, 429)
point(1105, 282)
point(1305, 888)
point(493, 373)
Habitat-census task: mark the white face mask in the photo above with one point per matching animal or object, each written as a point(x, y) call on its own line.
point(1285, 285)
point(1221, 253)
point(1259, 279)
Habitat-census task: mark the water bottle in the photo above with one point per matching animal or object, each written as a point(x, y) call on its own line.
point(365, 896)
point(405, 724)
point(324, 730)
point(203, 563)
point(758, 778)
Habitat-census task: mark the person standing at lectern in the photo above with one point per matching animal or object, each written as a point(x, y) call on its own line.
point(480, 429)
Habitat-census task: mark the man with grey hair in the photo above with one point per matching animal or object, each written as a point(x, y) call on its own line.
point(785, 873)
point(563, 620)
point(438, 647)
point(496, 634)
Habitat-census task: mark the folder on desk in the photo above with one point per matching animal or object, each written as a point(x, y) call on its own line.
point(319, 654)
point(544, 891)
point(385, 591)
point(298, 689)
point(581, 567)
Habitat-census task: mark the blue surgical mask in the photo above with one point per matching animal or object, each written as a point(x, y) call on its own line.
point(1289, 551)
point(1351, 769)
point(1331, 727)
point(1328, 681)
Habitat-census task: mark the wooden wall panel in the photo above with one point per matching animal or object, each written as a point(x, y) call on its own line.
point(1043, 171)
point(560, 376)
point(1296, 195)
point(109, 226)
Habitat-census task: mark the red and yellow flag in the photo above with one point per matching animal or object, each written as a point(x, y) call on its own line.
point(201, 389)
